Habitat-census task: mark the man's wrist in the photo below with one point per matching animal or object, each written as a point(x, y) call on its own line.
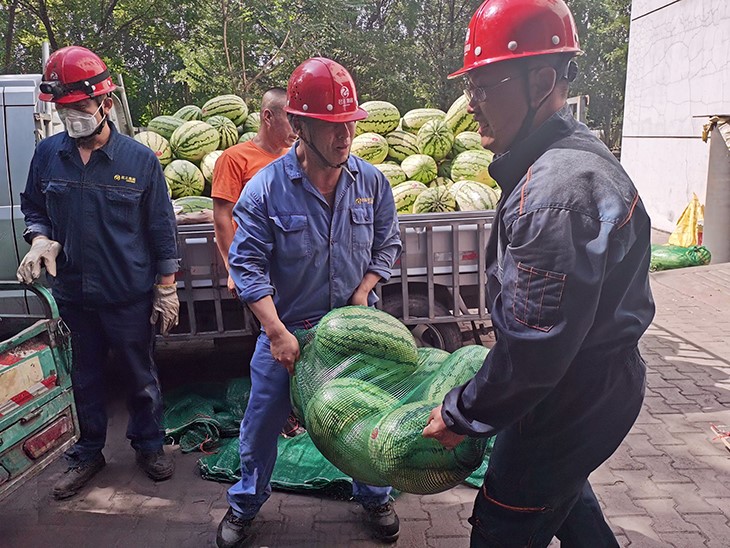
point(166, 279)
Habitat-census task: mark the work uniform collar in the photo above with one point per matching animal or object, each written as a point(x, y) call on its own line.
point(294, 170)
point(68, 147)
point(509, 168)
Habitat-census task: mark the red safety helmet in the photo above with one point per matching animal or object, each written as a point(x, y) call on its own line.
point(323, 89)
point(73, 74)
point(511, 29)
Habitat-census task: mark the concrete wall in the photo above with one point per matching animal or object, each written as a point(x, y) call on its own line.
point(678, 74)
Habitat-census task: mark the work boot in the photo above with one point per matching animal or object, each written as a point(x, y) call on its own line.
point(157, 465)
point(232, 531)
point(383, 522)
point(292, 427)
point(76, 476)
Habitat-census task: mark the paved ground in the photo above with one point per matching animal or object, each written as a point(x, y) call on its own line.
point(667, 485)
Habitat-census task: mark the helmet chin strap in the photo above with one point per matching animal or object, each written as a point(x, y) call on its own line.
point(97, 131)
point(321, 157)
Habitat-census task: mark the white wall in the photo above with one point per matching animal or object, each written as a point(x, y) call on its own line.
point(678, 73)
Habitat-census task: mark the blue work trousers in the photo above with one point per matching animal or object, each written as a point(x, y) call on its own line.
point(128, 332)
point(268, 409)
point(536, 486)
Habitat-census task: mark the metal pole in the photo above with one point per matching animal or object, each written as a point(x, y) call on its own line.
point(716, 235)
point(125, 105)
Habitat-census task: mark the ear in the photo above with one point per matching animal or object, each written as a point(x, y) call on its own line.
point(542, 84)
point(107, 103)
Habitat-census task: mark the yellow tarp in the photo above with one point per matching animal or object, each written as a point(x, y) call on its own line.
point(688, 231)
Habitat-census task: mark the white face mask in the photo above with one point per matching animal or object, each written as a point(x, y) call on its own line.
point(79, 124)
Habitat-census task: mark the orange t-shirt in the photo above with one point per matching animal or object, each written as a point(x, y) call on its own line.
point(235, 167)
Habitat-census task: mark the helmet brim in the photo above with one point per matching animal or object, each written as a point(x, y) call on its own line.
point(343, 117)
point(493, 60)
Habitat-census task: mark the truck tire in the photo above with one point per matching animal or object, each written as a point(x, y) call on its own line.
point(445, 336)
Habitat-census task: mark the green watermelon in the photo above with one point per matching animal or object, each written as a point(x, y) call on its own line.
point(383, 117)
point(227, 131)
point(193, 204)
point(252, 123)
point(413, 120)
point(435, 139)
point(474, 196)
point(405, 194)
point(371, 147)
point(442, 181)
point(158, 144)
point(393, 173)
point(247, 136)
point(193, 140)
point(444, 168)
point(458, 119)
point(184, 178)
point(437, 199)
point(231, 106)
point(165, 125)
point(466, 140)
point(473, 165)
point(207, 164)
point(420, 167)
point(401, 144)
point(189, 112)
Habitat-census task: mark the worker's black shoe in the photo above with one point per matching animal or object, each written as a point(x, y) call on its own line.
point(383, 522)
point(292, 427)
point(76, 476)
point(157, 465)
point(232, 531)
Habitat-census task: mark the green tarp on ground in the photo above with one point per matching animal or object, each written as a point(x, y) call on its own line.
point(205, 418)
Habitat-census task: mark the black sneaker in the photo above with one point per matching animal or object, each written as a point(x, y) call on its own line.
point(232, 531)
point(292, 427)
point(76, 476)
point(156, 465)
point(383, 522)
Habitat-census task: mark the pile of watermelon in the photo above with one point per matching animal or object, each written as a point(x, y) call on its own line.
point(433, 159)
point(188, 142)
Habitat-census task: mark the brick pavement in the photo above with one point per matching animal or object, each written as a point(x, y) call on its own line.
point(667, 485)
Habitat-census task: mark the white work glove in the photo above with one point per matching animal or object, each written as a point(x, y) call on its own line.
point(165, 305)
point(43, 252)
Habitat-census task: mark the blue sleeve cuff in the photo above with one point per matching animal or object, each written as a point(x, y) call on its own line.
point(381, 271)
point(253, 295)
point(168, 266)
point(34, 230)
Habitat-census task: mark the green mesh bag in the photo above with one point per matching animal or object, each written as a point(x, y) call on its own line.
point(365, 392)
point(667, 257)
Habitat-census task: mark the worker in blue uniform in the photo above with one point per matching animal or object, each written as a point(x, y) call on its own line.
point(568, 289)
point(317, 229)
point(100, 220)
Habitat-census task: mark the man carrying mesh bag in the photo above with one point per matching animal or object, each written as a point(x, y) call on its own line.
point(568, 289)
point(317, 229)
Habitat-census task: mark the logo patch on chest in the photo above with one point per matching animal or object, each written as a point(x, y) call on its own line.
point(125, 178)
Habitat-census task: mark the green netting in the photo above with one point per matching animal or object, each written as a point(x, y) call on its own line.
point(365, 392)
point(667, 257)
point(196, 417)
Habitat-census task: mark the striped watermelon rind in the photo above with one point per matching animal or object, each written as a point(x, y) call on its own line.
point(193, 140)
point(383, 117)
point(420, 167)
point(184, 178)
point(164, 125)
point(227, 131)
point(435, 139)
point(207, 164)
point(474, 196)
point(405, 194)
point(189, 112)
point(473, 165)
point(247, 136)
point(466, 140)
point(231, 106)
point(193, 204)
point(370, 147)
point(157, 144)
point(413, 120)
point(401, 144)
point(252, 122)
point(458, 119)
point(393, 173)
point(437, 199)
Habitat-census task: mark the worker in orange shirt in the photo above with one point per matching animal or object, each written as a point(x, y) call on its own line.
point(239, 163)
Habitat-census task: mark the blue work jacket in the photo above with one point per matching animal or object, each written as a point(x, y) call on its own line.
point(291, 245)
point(568, 277)
point(112, 216)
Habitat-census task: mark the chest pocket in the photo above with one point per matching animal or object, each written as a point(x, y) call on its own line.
point(124, 205)
point(58, 200)
point(292, 239)
point(362, 227)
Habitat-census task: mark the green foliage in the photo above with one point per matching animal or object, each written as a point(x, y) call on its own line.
point(172, 53)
